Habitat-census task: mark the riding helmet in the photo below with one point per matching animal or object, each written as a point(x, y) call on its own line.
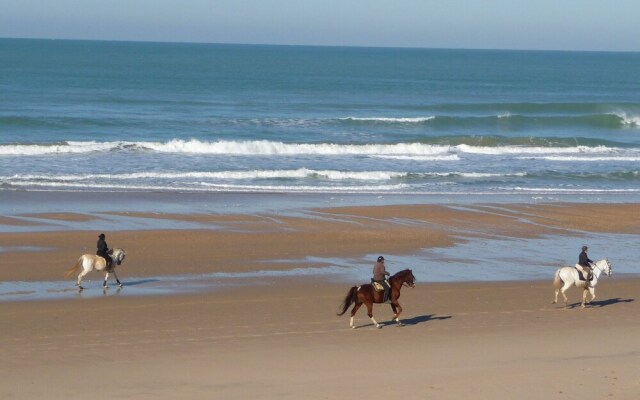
point(380, 259)
point(101, 236)
point(584, 248)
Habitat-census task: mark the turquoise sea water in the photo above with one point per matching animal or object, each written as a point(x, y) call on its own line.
point(154, 117)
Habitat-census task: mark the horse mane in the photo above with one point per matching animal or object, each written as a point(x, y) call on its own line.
point(400, 273)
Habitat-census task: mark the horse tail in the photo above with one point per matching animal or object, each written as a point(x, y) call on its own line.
point(349, 299)
point(75, 268)
point(557, 282)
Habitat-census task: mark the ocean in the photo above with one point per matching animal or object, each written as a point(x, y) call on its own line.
point(99, 116)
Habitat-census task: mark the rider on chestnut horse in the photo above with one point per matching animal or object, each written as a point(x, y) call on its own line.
point(379, 276)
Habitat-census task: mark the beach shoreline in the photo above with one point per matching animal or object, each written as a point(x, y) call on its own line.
point(481, 242)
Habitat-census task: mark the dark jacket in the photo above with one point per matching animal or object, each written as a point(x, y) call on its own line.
point(584, 260)
point(103, 248)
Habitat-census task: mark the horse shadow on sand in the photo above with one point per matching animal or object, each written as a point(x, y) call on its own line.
point(601, 303)
point(415, 320)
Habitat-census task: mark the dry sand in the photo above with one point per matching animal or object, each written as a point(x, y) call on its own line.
point(281, 339)
point(479, 341)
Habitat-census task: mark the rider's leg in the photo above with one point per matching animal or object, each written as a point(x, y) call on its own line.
point(582, 270)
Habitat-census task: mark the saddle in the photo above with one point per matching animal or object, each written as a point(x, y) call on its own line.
point(378, 287)
point(581, 274)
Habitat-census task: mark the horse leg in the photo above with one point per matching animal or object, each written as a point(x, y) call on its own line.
point(370, 314)
point(584, 297)
point(397, 309)
point(104, 284)
point(353, 313)
point(80, 276)
point(565, 287)
point(117, 280)
point(593, 294)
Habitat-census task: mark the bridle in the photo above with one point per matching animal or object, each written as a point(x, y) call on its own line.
point(595, 265)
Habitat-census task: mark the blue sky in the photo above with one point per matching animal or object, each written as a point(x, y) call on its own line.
point(610, 25)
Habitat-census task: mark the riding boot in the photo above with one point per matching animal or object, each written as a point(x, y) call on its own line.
point(588, 280)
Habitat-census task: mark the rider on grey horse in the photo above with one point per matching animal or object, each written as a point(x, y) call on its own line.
point(103, 250)
point(585, 266)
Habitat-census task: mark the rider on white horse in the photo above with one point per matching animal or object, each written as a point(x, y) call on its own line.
point(103, 250)
point(585, 265)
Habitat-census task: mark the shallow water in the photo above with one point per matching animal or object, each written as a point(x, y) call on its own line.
point(498, 259)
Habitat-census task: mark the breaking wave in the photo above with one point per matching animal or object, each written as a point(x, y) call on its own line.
point(268, 148)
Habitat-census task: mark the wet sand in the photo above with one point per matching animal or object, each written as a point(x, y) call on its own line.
point(237, 243)
point(280, 338)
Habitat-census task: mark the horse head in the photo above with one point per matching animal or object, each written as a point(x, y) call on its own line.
point(118, 255)
point(607, 267)
point(406, 277)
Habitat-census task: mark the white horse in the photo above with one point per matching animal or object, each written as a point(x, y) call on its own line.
point(569, 276)
point(89, 262)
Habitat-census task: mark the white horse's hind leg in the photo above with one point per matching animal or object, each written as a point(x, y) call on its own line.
point(106, 277)
point(563, 290)
point(593, 294)
point(584, 297)
point(82, 274)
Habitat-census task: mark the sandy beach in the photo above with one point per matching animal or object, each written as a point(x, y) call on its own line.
point(280, 337)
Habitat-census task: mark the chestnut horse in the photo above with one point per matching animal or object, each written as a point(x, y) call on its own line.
point(367, 295)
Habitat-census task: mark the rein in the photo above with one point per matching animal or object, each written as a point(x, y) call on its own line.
point(601, 269)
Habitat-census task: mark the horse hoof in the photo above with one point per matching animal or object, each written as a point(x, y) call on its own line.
point(400, 324)
point(378, 326)
point(120, 285)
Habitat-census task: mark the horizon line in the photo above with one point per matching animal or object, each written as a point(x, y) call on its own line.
point(316, 45)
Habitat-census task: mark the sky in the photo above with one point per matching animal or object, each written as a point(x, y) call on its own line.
point(600, 25)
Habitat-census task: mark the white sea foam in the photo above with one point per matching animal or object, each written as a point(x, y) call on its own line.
point(64, 148)
point(216, 187)
point(399, 188)
point(267, 148)
point(390, 119)
point(583, 159)
point(301, 173)
point(631, 120)
point(264, 147)
point(451, 157)
point(575, 190)
point(487, 175)
point(223, 175)
point(465, 148)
